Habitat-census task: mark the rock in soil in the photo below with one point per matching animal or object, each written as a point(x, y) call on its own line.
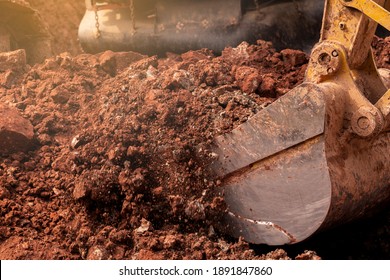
point(16, 132)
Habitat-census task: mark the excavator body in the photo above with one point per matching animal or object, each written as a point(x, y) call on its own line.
point(160, 26)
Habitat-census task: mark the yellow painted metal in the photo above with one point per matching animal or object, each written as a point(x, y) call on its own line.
point(372, 10)
point(344, 57)
point(350, 28)
point(384, 106)
point(328, 64)
point(383, 103)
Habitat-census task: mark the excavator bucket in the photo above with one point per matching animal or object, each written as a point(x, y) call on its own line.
point(320, 155)
point(276, 179)
point(160, 26)
point(22, 28)
point(292, 169)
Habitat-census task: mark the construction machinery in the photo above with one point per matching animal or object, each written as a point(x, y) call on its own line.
point(22, 28)
point(320, 155)
point(160, 26)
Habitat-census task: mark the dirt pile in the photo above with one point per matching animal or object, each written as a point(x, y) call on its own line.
point(114, 173)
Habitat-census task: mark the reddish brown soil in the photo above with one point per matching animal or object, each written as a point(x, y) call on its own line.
point(117, 172)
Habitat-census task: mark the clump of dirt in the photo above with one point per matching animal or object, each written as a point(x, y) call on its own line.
point(382, 52)
point(117, 172)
